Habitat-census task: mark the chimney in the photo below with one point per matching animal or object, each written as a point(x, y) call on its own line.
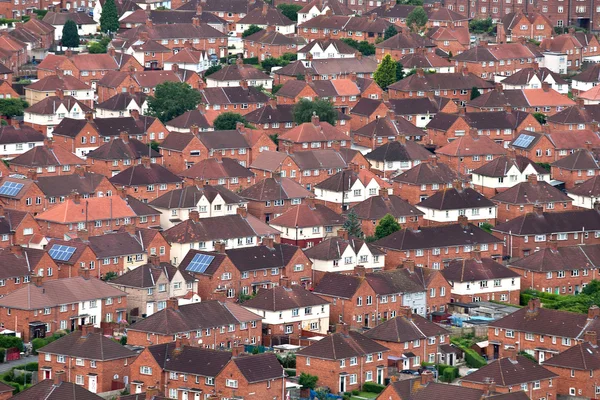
point(498, 87)
point(588, 145)
point(372, 16)
point(571, 30)
point(84, 273)
point(178, 346)
point(483, 43)
point(194, 216)
point(240, 127)
point(360, 270)
point(146, 161)
point(462, 111)
point(32, 174)
point(111, 51)
point(532, 178)
point(354, 167)
point(237, 351)
point(242, 212)
point(465, 71)
point(59, 376)
point(538, 209)
point(353, 76)
point(194, 129)
point(401, 138)
point(60, 94)
point(405, 312)
point(172, 303)
point(476, 253)
point(124, 135)
point(358, 55)
point(87, 329)
point(457, 184)
point(342, 328)
point(391, 114)
point(315, 119)
point(196, 21)
point(83, 235)
point(593, 312)
point(37, 280)
point(17, 250)
point(220, 247)
point(285, 282)
point(433, 161)
point(473, 132)
point(2, 210)
point(426, 377)
point(273, 102)
point(265, 8)
point(268, 242)
point(244, 84)
point(490, 388)
point(591, 337)
point(545, 86)
point(463, 221)
point(80, 170)
point(49, 143)
point(534, 305)
point(420, 73)
point(15, 123)
point(342, 234)
point(175, 67)
point(89, 116)
point(154, 260)
point(239, 61)
point(151, 392)
point(510, 353)
point(68, 53)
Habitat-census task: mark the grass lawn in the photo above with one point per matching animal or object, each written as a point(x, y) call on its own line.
point(364, 395)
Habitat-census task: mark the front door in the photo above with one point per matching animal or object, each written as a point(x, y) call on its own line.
point(380, 376)
point(47, 374)
point(496, 351)
point(149, 308)
point(542, 356)
point(342, 383)
point(93, 383)
point(366, 320)
point(184, 395)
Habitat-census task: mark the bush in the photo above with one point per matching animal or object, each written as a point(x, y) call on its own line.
point(447, 373)
point(251, 60)
point(17, 387)
point(473, 359)
point(290, 372)
point(8, 376)
point(8, 342)
point(355, 392)
point(22, 379)
point(2, 354)
point(372, 387)
point(32, 366)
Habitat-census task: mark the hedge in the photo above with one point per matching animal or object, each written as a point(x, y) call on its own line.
point(449, 374)
point(8, 342)
point(372, 387)
point(473, 359)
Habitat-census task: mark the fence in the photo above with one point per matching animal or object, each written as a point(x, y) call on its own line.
point(477, 330)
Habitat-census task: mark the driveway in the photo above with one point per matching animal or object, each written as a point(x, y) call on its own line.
point(24, 360)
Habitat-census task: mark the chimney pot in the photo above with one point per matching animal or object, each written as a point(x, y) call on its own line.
point(342, 328)
point(343, 234)
point(84, 273)
point(360, 270)
point(172, 303)
point(242, 212)
point(532, 178)
point(220, 247)
point(194, 216)
point(59, 377)
point(463, 221)
point(591, 337)
point(593, 312)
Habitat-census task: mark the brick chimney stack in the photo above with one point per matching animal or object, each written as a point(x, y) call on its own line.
point(194, 216)
point(315, 119)
point(32, 174)
point(409, 265)
point(593, 312)
point(124, 135)
point(59, 377)
point(426, 377)
point(146, 161)
point(360, 270)
point(342, 328)
point(591, 337)
point(242, 212)
point(60, 94)
point(172, 303)
point(268, 242)
point(220, 247)
point(84, 273)
point(538, 209)
point(87, 329)
point(463, 221)
point(154, 260)
point(17, 250)
point(135, 114)
point(343, 234)
point(534, 305)
point(37, 280)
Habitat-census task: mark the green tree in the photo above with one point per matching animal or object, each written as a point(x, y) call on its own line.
point(109, 276)
point(390, 32)
point(70, 35)
point(228, 121)
point(410, 2)
point(308, 381)
point(109, 19)
point(541, 117)
point(385, 74)
point(364, 47)
point(386, 226)
point(485, 25)
point(304, 110)
point(417, 19)
point(252, 29)
point(399, 71)
point(352, 225)
point(475, 93)
point(12, 107)
point(592, 288)
point(171, 99)
point(290, 10)
point(212, 69)
point(99, 47)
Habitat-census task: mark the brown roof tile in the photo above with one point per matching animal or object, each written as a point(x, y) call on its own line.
point(338, 346)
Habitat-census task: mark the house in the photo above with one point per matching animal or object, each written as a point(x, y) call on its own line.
point(150, 285)
point(285, 308)
point(273, 118)
point(86, 26)
point(325, 48)
point(558, 269)
point(402, 44)
point(189, 60)
point(452, 39)
point(265, 17)
point(209, 201)
point(579, 117)
point(370, 212)
point(269, 43)
point(414, 388)
point(516, 25)
point(188, 120)
point(397, 156)
point(49, 85)
point(340, 254)
point(25, 266)
point(584, 195)
point(576, 168)
point(383, 130)
point(349, 187)
point(466, 153)
point(366, 111)
point(16, 139)
point(204, 321)
point(456, 86)
point(528, 330)
point(568, 227)
point(347, 360)
point(123, 105)
point(514, 372)
point(226, 172)
point(88, 351)
point(118, 252)
point(368, 28)
point(241, 273)
point(524, 196)
point(39, 310)
point(547, 147)
point(320, 7)
point(576, 45)
point(49, 112)
point(489, 61)
point(71, 255)
point(585, 80)
point(18, 228)
point(533, 78)
point(234, 74)
point(118, 155)
point(428, 61)
point(343, 93)
point(329, 68)
point(411, 338)
point(423, 180)
point(314, 135)
point(241, 98)
point(307, 224)
point(482, 279)
point(239, 230)
point(431, 246)
point(56, 389)
point(46, 160)
point(503, 172)
point(271, 197)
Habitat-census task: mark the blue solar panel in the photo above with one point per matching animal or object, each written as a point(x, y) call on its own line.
point(523, 140)
point(199, 263)
point(10, 188)
point(61, 253)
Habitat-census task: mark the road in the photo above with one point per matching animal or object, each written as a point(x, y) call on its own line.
point(24, 360)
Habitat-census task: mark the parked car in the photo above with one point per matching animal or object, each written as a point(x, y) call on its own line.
point(409, 372)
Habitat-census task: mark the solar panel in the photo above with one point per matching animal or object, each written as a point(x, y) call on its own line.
point(61, 253)
point(199, 263)
point(10, 188)
point(523, 140)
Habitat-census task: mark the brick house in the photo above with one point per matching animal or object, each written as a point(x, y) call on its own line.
point(547, 147)
point(366, 111)
point(431, 246)
point(396, 156)
point(576, 45)
point(42, 309)
point(577, 167)
point(584, 195)
point(95, 369)
point(410, 333)
point(579, 117)
point(119, 154)
point(71, 255)
point(26, 265)
point(237, 75)
point(273, 118)
point(225, 171)
point(313, 135)
point(372, 210)
point(363, 360)
point(531, 232)
point(210, 324)
point(532, 25)
point(527, 329)
point(469, 152)
point(18, 227)
point(554, 269)
point(48, 86)
point(343, 93)
point(22, 194)
point(328, 26)
point(235, 273)
point(522, 197)
point(383, 130)
point(423, 180)
point(268, 43)
point(330, 68)
point(287, 307)
point(402, 44)
point(46, 160)
point(533, 78)
point(452, 39)
point(241, 99)
point(425, 386)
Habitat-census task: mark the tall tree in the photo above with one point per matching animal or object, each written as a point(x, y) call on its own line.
point(385, 74)
point(227, 121)
point(252, 29)
point(391, 31)
point(109, 19)
point(304, 109)
point(417, 19)
point(399, 71)
point(386, 226)
point(12, 107)
point(70, 35)
point(475, 93)
point(171, 99)
point(290, 10)
point(352, 225)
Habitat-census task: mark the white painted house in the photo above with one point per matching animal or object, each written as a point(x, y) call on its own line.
point(446, 205)
point(397, 156)
point(506, 171)
point(18, 140)
point(586, 194)
point(326, 48)
point(188, 59)
point(530, 78)
point(86, 26)
point(321, 7)
point(46, 114)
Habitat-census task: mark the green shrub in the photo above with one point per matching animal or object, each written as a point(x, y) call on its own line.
point(32, 366)
point(290, 372)
point(8, 342)
point(372, 387)
point(450, 373)
point(17, 387)
point(473, 359)
point(355, 392)
point(2, 354)
point(251, 60)
point(8, 376)
point(38, 343)
point(22, 379)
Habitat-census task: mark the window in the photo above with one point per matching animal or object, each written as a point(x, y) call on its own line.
point(509, 334)
point(369, 376)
